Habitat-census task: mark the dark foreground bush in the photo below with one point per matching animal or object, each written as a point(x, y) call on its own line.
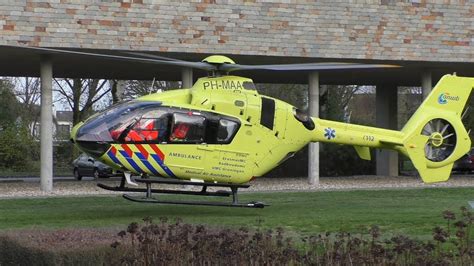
point(177, 243)
point(13, 253)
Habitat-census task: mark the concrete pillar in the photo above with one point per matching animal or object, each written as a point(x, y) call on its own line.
point(46, 129)
point(386, 117)
point(313, 149)
point(187, 78)
point(426, 83)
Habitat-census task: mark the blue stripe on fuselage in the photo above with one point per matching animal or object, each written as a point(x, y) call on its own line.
point(131, 162)
point(113, 157)
point(162, 165)
point(147, 164)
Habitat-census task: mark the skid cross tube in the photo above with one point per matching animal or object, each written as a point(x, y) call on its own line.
point(235, 200)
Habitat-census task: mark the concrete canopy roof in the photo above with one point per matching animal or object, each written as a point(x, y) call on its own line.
point(22, 62)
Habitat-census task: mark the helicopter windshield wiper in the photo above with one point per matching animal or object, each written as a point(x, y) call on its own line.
point(127, 130)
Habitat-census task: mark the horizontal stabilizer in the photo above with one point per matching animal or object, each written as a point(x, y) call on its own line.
point(391, 142)
point(363, 152)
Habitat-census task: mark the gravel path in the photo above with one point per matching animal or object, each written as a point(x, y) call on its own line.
point(84, 188)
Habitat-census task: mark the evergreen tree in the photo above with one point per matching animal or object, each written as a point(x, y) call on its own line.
point(16, 142)
point(9, 105)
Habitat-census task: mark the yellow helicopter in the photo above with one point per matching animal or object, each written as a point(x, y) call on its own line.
point(223, 133)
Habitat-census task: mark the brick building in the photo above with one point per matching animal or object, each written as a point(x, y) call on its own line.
point(428, 37)
point(436, 33)
point(415, 30)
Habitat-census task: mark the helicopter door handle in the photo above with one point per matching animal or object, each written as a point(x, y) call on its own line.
point(205, 148)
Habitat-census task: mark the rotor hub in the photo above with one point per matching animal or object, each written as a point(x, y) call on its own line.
point(218, 59)
point(436, 139)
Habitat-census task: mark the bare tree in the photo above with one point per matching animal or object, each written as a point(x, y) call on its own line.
point(81, 95)
point(335, 101)
point(295, 94)
point(136, 88)
point(28, 92)
point(409, 99)
point(117, 90)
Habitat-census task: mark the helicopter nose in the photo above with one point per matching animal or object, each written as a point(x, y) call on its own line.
point(88, 140)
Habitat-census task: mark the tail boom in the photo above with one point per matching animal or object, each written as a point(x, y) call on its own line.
point(433, 138)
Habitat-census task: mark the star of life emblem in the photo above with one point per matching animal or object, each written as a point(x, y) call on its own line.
point(329, 133)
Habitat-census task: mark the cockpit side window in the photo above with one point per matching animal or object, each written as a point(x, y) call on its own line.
point(148, 127)
point(151, 122)
point(226, 130)
point(187, 128)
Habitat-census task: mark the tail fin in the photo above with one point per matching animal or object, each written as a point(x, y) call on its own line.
point(435, 136)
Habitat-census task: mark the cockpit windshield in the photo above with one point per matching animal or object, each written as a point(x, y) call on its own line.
point(116, 122)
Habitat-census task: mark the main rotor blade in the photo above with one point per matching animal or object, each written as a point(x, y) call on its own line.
point(303, 67)
point(159, 60)
point(154, 56)
point(198, 65)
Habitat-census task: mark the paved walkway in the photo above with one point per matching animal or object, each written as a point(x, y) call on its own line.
point(68, 187)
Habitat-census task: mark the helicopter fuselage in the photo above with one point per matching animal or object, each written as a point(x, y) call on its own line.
point(232, 132)
point(222, 130)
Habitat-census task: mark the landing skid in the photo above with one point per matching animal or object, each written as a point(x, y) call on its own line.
point(149, 191)
point(196, 203)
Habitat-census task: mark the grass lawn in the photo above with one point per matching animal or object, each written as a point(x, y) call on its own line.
point(412, 211)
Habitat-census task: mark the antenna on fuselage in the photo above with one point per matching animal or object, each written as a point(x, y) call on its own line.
point(152, 85)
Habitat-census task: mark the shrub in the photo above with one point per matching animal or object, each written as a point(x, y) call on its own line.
point(338, 160)
point(177, 243)
point(16, 147)
point(12, 253)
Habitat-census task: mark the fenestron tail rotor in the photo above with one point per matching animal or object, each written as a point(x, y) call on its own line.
point(442, 140)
